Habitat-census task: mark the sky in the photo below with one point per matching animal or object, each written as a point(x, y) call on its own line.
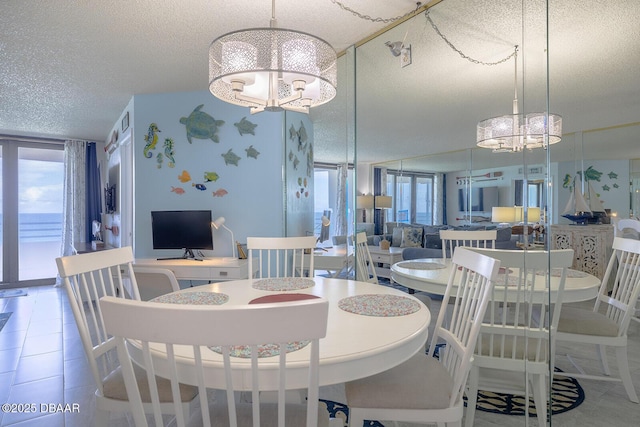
point(41, 186)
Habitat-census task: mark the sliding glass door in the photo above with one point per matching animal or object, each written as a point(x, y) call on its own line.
point(31, 192)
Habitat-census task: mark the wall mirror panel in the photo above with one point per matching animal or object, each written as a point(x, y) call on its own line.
point(414, 127)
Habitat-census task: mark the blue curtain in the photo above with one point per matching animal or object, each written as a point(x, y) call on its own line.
point(444, 199)
point(94, 196)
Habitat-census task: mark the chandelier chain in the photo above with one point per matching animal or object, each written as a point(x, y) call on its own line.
point(369, 18)
point(462, 54)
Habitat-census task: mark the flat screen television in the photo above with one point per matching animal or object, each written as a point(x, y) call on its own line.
point(186, 230)
point(481, 199)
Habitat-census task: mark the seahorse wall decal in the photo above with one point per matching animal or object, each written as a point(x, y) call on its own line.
point(169, 151)
point(152, 139)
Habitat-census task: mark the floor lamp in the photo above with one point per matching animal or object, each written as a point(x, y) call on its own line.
point(383, 203)
point(364, 202)
point(219, 222)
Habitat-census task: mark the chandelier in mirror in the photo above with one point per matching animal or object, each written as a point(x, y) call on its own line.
point(272, 69)
point(515, 132)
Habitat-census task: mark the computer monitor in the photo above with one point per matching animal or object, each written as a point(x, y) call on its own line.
point(185, 229)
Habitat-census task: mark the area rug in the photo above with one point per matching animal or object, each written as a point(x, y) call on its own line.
point(9, 293)
point(566, 394)
point(4, 318)
point(341, 411)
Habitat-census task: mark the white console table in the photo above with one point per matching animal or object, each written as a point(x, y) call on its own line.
point(209, 269)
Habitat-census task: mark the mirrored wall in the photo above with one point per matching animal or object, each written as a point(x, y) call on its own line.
point(384, 106)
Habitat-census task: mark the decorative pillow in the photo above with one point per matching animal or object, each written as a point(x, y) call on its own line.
point(503, 234)
point(432, 241)
point(365, 227)
point(434, 229)
point(396, 237)
point(630, 233)
point(411, 237)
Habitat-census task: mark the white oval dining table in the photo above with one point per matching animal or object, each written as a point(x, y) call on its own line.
point(431, 275)
point(356, 345)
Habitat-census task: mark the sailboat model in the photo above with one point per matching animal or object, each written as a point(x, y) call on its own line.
point(582, 208)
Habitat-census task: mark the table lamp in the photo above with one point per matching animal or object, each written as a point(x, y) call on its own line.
point(504, 215)
point(533, 214)
point(219, 222)
point(364, 202)
point(324, 229)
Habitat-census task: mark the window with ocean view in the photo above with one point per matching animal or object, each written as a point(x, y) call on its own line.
point(31, 222)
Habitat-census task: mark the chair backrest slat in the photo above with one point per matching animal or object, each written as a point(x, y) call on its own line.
point(470, 238)
point(365, 269)
point(523, 306)
point(280, 256)
point(621, 298)
point(471, 277)
point(165, 327)
point(87, 278)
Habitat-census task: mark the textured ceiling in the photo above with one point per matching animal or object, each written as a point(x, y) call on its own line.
point(68, 68)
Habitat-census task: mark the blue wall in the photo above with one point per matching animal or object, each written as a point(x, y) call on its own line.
point(250, 195)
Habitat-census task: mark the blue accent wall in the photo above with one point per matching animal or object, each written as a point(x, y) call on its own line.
point(252, 195)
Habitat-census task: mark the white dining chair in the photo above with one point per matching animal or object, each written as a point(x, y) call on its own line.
point(280, 256)
point(162, 328)
point(87, 278)
point(153, 282)
point(365, 269)
point(607, 323)
point(425, 389)
point(515, 348)
point(629, 228)
point(471, 238)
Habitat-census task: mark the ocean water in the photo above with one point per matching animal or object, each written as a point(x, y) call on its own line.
point(39, 227)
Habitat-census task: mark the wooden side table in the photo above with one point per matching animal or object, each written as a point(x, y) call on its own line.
point(591, 243)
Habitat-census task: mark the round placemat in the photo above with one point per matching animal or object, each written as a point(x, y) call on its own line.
point(501, 270)
point(282, 298)
point(264, 350)
point(379, 305)
point(283, 284)
point(419, 265)
point(557, 272)
point(193, 298)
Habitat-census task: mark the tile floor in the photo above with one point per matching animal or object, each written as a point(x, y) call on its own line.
point(42, 362)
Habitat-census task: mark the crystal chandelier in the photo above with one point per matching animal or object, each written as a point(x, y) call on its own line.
point(515, 132)
point(272, 69)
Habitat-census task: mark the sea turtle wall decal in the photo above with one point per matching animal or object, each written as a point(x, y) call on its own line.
point(252, 152)
point(230, 158)
point(201, 125)
point(245, 126)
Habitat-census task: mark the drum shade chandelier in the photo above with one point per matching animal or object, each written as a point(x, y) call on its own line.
point(272, 69)
point(515, 132)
